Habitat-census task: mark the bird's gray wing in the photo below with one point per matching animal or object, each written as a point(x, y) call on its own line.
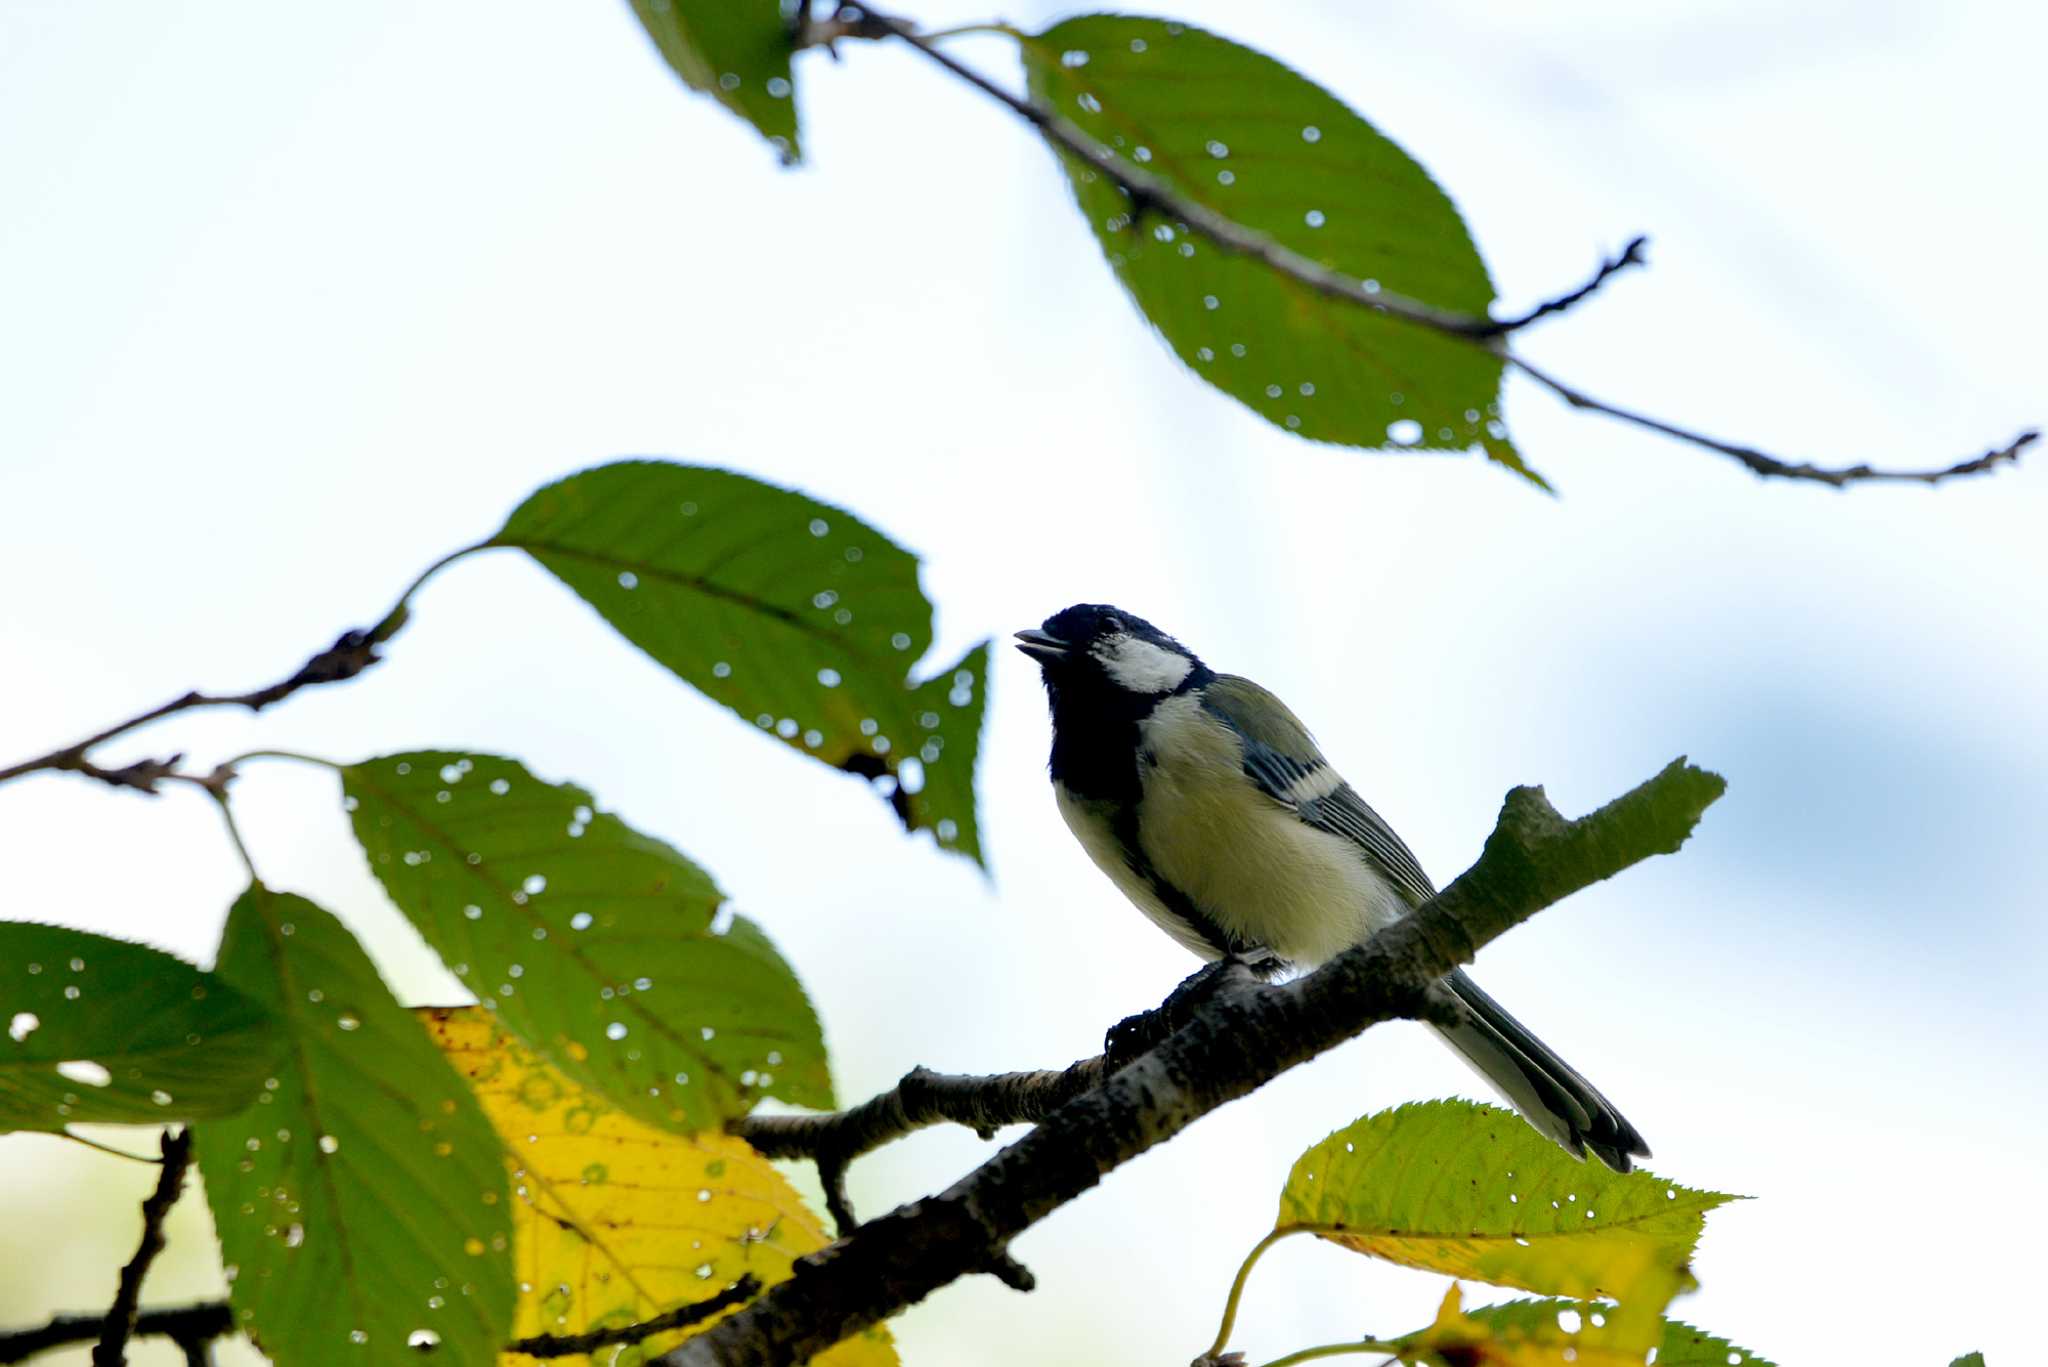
point(1281, 757)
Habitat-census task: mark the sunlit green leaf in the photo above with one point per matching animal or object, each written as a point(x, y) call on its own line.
point(103, 1030)
point(1243, 135)
point(797, 615)
point(737, 52)
point(1969, 1360)
point(596, 944)
point(1470, 1190)
point(361, 1201)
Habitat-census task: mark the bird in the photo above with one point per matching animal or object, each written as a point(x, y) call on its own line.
point(1208, 805)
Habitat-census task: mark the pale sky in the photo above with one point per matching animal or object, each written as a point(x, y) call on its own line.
point(293, 300)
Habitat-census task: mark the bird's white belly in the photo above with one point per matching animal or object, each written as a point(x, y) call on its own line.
point(1247, 860)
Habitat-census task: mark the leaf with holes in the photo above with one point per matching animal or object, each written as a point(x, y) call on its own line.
point(1244, 136)
point(796, 615)
point(1548, 1333)
point(737, 52)
point(596, 944)
point(111, 1032)
point(615, 1222)
point(1472, 1191)
point(361, 1201)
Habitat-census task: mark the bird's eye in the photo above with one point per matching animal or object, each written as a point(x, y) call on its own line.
point(1113, 625)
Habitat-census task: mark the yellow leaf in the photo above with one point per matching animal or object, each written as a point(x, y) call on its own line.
point(615, 1222)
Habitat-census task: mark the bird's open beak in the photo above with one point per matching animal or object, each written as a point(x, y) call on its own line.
point(1040, 645)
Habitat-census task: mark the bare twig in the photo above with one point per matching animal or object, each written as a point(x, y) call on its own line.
point(119, 1322)
point(185, 1325)
point(1234, 1043)
point(575, 1345)
point(1151, 193)
point(1768, 466)
point(1631, 255)
point(352, 652)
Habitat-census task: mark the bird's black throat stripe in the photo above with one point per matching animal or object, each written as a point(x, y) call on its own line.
point(1125, 827)
point(1095, 740)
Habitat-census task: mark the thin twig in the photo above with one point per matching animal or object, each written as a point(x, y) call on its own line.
point(683, 1316)
point(1768, 466)
point(1631, 255)
point(352, 652)
point(1151, 193)
point(184, 1324)
point(119, 1324)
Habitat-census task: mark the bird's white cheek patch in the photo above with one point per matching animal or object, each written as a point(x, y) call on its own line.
point(1140, 666)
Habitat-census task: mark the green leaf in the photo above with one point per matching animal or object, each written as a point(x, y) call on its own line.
point(737, 52)
point(1243, 135)
point(798, 616)
point(1969, 1360)
point(594, 943)
point(361, 1203)
point(108, 1031)
point(1472, 1191)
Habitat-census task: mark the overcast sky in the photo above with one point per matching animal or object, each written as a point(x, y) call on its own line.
point(294, 299)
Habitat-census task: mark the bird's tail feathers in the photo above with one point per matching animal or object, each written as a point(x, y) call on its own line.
point(1547, 1091)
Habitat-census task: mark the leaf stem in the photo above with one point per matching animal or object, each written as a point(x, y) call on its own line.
point(295, 756)
point(227, 816)
point(107, 1148)
point(1244, 1272)
point(1331, 1350)
point(996, 27)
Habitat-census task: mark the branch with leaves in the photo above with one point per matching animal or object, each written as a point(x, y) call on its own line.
point(1292, 255)
point(1231, 1046)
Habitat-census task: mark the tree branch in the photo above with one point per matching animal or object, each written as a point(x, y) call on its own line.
point(1149, 192)
point(696, 1312)
point(923, 1097)
point(192, 1327)
point(119, 1322)
point(185, 1325)
point(1232, 1044)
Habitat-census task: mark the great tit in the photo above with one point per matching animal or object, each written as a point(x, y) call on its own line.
point(1209, 806)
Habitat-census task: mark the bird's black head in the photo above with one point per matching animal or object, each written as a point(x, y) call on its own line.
point(1097, 653)
point(1105, 670)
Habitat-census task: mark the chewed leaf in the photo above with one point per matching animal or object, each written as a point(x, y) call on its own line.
point(112, 1032)
point(615, 1222)
point(361, 1201)
point(798, 616)
point(737, 52)
point(1562, 1333)
point(1246, 137)
point(1470, 1190)
point(596, 944)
